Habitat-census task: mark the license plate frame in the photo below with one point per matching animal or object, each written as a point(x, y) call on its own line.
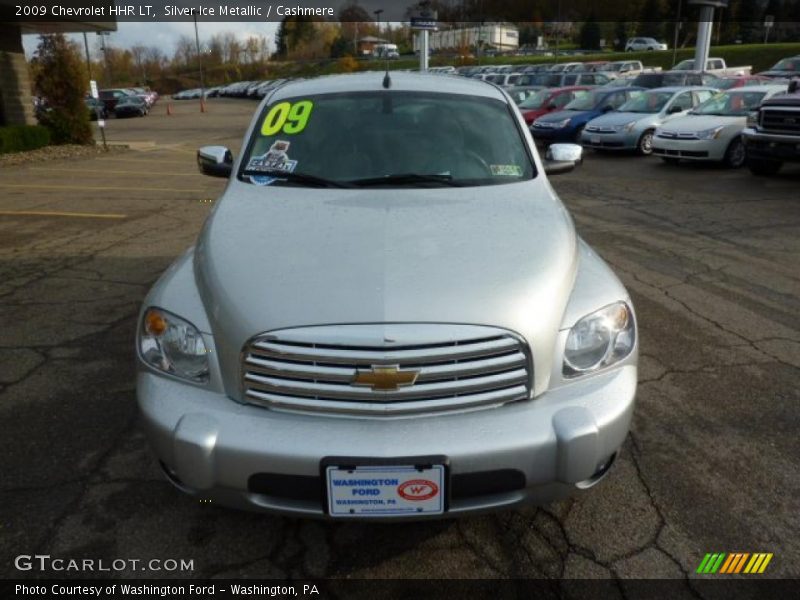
point(411, 474)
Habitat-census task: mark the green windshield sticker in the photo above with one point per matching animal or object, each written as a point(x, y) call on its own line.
point(506, 170)
point(287, 117)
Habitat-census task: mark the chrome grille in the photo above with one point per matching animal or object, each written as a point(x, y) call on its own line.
point(313, 368)
point(786, 122)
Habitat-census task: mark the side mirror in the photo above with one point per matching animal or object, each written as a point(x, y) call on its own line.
point(551, 107)
point(216, 161)
point(674, 109)
point(562, 158)
point(608, 108)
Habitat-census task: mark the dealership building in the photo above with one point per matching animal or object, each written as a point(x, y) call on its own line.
point(16, 101)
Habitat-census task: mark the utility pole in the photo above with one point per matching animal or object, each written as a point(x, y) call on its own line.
point(677, 31)
point(199, 63)
point(558, 28)
point(103, 35)
point(88, 58)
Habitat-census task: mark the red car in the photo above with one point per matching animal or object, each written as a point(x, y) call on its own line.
point(548, 100)
point(728, 83)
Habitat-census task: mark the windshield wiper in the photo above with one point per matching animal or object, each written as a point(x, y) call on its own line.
point(312, 180)
point(406, 178)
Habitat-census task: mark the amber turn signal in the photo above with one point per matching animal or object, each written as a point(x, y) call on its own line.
point(154, 323)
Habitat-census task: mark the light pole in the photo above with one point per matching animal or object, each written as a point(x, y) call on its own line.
point(199, 63)
point(88, 58)
point(558, 27)
point(103, 35)
point(378, 18)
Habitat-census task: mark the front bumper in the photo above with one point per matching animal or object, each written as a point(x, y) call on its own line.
point(689, 149)
point(770, 146)
point(534, 451)
point(551, 136)
point(610, 141)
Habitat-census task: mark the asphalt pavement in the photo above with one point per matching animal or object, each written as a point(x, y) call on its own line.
point(711, 257)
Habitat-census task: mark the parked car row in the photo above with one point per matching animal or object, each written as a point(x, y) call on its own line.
point(675, 123)
point(121, 102)
point(240, 89)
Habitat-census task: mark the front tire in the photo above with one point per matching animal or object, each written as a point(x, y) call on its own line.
point(763, 167)
point(645, 144)
point(735, 155)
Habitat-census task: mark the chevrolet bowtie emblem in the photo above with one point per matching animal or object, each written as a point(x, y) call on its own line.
point(385, 378)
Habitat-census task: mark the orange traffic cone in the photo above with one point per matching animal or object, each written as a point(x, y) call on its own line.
point(169, 108)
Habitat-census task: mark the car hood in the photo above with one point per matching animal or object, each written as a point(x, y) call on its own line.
point(692, 123)
point(276, 257)
point(576, 115)
point(623, 118)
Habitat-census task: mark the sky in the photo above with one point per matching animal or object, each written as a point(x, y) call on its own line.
point(164, 34)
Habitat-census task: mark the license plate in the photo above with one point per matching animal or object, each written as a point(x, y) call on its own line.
point(390, 491)
point(595, 139)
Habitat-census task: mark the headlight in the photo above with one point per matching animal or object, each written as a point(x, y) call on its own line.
point(600, 339)
point(710, 134)
point(752, 119)
point(173, 345)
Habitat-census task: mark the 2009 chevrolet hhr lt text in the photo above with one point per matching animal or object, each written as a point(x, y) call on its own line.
point(388, 314)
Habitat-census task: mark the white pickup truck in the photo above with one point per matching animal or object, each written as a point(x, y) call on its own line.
point(626, 68)
point(716, 66)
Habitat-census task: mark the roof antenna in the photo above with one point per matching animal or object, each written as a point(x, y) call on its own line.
point(387, 81)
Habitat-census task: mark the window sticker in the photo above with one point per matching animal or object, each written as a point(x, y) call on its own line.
point(289, 118)
point(506, 170)
point(275, 159)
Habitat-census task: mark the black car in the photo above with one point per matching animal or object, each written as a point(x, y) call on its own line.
point(97, 108)
point(130, 106)
point(787, 67)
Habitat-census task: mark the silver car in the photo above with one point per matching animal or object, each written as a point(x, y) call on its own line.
point(632, 125)
point(387, 315)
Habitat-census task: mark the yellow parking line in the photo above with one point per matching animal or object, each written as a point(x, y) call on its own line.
point(186, 150)
point(44, 213)
point(146, 160)
point(101, 171)
point(85, 188)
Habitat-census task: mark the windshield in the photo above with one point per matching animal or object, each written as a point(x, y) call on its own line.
point(787, 64)
point(649, 102)
point(586, 102)
point(610, 67)
point(392, 138)
point(536, 100)
point(731, 104)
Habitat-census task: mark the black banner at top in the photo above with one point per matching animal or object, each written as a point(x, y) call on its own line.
point(450, 11)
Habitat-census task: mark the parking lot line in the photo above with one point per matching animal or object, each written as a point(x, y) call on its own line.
point(113, 172)
point(43, 186)
point(45, 213)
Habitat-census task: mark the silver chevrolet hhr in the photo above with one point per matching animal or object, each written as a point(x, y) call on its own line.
point(388, 314)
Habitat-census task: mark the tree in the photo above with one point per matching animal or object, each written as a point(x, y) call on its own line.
point(749, 14)
point(62, 82)
point(620, 35)
point(590, 34)
point(651, 19)
point(292, 33)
